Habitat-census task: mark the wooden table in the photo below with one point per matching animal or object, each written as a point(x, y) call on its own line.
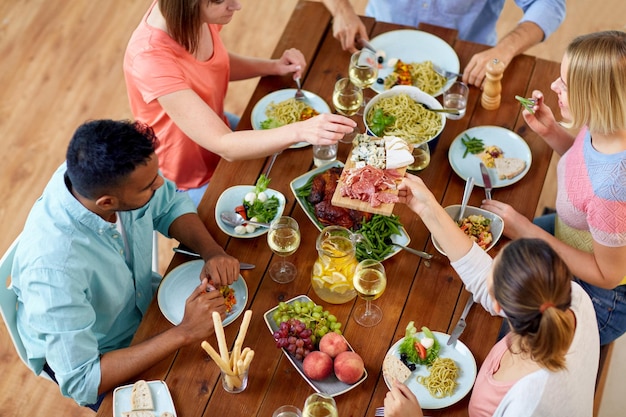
point(429, 295)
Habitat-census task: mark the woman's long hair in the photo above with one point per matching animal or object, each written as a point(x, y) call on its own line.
point(532, 284)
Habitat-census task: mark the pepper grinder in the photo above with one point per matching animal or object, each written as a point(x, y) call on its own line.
point(490, 98)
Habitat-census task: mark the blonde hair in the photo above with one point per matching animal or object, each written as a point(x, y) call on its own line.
point(183, 20)
point(532, 284)
point(596, 81)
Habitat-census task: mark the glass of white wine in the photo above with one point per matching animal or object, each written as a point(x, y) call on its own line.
point(421, 155)
point(363, 69)
point(283, 239)
point(347, 99)
point(369, 281)
point(320, 405)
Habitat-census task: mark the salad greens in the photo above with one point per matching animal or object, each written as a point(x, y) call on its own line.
point(258, 204)
point(528, 103)
point(270, 124)
point(380, 121)
point(419, 350)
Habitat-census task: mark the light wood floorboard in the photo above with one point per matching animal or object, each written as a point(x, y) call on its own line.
point(62, 64)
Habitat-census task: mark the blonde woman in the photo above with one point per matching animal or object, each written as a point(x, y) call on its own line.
point(177, 72)
point(547, 364)
point(589, 228)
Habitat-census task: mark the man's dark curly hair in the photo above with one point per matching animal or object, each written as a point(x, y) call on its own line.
point(103, 153)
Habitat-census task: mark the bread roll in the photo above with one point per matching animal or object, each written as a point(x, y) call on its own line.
point(141, 397)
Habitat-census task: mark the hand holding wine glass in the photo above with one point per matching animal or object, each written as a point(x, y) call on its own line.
point(369, 281)
point(283, 239)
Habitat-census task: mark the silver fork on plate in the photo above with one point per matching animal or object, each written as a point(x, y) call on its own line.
point(448, 74)
point(299, 94)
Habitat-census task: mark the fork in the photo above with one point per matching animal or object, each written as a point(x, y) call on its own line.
point(299, 94)
point(380, 412)
point(448, 74)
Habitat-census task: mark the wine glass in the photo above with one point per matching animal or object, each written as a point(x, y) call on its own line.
point(283, 239)
point(347, 99)
point(369, 282)
point(363, 69)
point(320, 405)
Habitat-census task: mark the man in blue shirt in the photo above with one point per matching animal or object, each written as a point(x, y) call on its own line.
point(474, 19)
point(82, 270)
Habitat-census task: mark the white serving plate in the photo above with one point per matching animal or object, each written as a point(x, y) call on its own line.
point(464, 360)
point(160, 396)
point(415, 46)
point(176, 287)
point(331, 385)
point(233, 197)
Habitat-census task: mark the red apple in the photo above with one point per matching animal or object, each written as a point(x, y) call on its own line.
point(317, 365)
point(349, 367)
point(333, 344)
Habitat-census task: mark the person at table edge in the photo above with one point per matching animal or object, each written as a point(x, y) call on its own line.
point(82, 269)
point(474, 19)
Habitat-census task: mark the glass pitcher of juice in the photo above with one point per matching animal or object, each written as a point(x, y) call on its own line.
point(333, 270)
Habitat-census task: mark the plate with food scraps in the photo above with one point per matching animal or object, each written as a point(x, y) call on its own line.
point(259, 111)
point(233, 197)
point(299, 191)
point(468, 165)
point(180, 282)
point(414, 46)
point(331, 385)
point(161, 398)
point(462, 357)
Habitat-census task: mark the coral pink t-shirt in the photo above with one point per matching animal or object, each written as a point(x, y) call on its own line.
point(156, 65)
point(488, 392)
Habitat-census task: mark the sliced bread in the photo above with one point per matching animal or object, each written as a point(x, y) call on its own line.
point(141, 397)
point(393, 367)
point(508, 168)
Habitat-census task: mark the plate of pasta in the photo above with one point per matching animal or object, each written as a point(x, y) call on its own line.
point(458, 355)
point(417, 50)
point(281, 108)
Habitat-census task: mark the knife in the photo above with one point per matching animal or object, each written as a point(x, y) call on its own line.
point(460, 325)
point(242, 265)
point(486, 180)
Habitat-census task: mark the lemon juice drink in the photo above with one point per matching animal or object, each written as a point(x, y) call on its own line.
point(333, 270)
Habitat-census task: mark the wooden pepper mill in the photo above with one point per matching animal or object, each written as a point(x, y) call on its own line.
point(490, 98)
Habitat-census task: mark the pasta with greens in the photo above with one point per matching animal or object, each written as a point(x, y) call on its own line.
point(287, 112)
point(411, 121)
point(442, 379)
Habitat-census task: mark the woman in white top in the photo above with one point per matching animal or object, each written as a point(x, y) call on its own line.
point(547, 364)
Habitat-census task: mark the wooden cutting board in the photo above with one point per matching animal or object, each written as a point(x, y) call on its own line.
point(338, 200)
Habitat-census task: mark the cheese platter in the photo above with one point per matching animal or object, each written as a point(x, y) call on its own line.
point(372, 173)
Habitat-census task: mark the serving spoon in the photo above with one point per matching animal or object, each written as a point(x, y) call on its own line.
point(444, 110)
point(234, 219)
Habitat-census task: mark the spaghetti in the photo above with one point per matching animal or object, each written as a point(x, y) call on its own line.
point(412, 123)
point(442, 379)
point(419, 74)
point(287, 112)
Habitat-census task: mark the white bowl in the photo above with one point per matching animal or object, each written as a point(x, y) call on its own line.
point(233, 197)
point(413, 92)
point(497, 224)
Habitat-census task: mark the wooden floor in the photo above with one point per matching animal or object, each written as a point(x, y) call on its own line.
point(62, 64)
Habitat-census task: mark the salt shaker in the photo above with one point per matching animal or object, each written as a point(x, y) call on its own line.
point(490, 98)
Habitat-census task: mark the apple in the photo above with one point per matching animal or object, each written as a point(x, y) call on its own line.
point(317, 365)
point(349, 367)
point(333, 344)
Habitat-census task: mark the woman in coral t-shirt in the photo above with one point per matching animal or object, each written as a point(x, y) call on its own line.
point(177, 73)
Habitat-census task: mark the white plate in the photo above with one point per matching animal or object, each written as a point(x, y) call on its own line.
point(463, 359)
point(331, 385)
point(258, 112)
point(414, 46)
point(233, 197)
point(160, 396)
point(510, 142)
point(176, 287)
point(401, 239)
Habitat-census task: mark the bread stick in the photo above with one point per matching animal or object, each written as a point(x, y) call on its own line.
point(224, 366)
point(243, 329)
point(221, 338)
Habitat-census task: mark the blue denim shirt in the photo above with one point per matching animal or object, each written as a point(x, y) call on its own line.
point(77, 295)
point(475, 20)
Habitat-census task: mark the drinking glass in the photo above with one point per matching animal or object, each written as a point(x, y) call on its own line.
point(363, 69)
point(320, 405)
point(283, 239)
point(347, 99)
point(287, 411)
point(455, 97)
point(369, 282)
point(421, 154)
point(324, 154)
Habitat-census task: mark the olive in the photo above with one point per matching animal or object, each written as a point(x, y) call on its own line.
point(380, 80)
point(381, 59)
